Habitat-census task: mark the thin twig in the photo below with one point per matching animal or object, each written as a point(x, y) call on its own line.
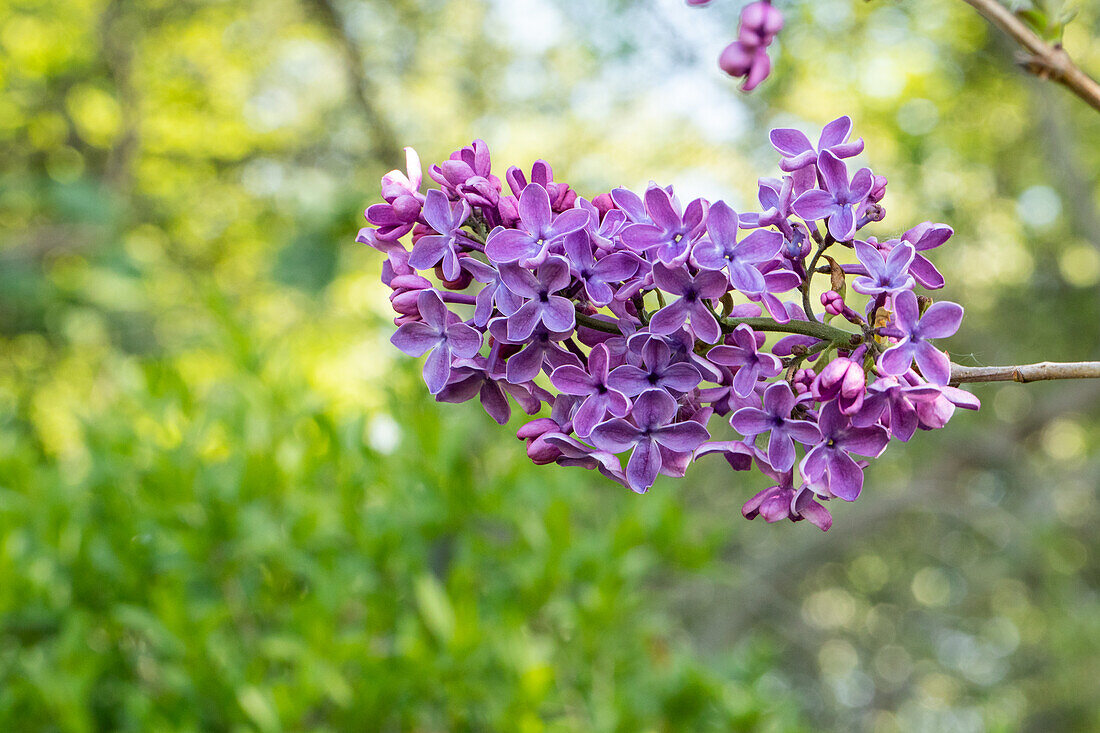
point(1026, 372)
point(1045, 60)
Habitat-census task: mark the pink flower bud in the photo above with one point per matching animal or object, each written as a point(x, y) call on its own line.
point(536, 428)
point(541, 452)
point(405, 302)
point(760, 22)
point(842, 380)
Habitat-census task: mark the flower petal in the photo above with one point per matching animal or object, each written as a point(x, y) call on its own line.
point(815, 205)
point(644, 466)
point(437, 368)
point(941, 320)
point(416, 338)
point(534, 209)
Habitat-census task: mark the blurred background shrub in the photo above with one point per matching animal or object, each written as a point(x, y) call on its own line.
point(226, 504)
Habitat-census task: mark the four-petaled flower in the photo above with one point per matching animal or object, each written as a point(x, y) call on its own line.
point(658, 371)
point(722, 250)
point(436, 332)
point(538, 229)
point(782, 501)
point(751, 365)
point(691, 305)
point(800, 154)
point(840, 198)
point(477, 379)
point(592, 385)
point(539, 350)
point(447, 221)
point(923, 237)
point(671, 232)
point(888, 275)
point(542, 306)
point(775, 419)
point(652, 428)
point(596, 275)
point(894, 401)
point(941, 320)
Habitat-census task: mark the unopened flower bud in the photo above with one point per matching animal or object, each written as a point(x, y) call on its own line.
point(833, 302)
point(459, 283)
point(405, 302)
point(541, 452)
point(803, 380)
point(760, 22)
point(741, 60)
point(843, 380)
point(536, 428)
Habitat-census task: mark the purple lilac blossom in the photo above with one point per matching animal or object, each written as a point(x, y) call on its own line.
point(671, 232)
point(600, 399)
point(775, 419)
point(691, 304)
point(913, 329)
point(828, 467)
point(446, 220)
point(439, 334)
point(722, 250)
point(653, 413)
point(752, 365)
point(530, 244)
point(839, 200)
point(799, 153)
point(889, 275)
point(542, 305)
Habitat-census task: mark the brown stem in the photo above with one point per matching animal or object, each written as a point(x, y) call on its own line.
point(1045, 60)
point(1026, 372)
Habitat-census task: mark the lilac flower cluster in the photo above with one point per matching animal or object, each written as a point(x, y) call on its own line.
point(747, 57)
point(636, 319)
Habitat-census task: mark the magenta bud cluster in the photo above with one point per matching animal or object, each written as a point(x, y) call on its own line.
point(634, 326)
point(747, 57)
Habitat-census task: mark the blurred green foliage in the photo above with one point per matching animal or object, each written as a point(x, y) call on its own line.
point(227, 504)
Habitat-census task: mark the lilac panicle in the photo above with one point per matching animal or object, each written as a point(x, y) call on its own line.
point(633, 321)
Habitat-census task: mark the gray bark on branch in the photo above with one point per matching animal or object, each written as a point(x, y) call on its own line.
point(1026, 372)
point(1045, 60)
